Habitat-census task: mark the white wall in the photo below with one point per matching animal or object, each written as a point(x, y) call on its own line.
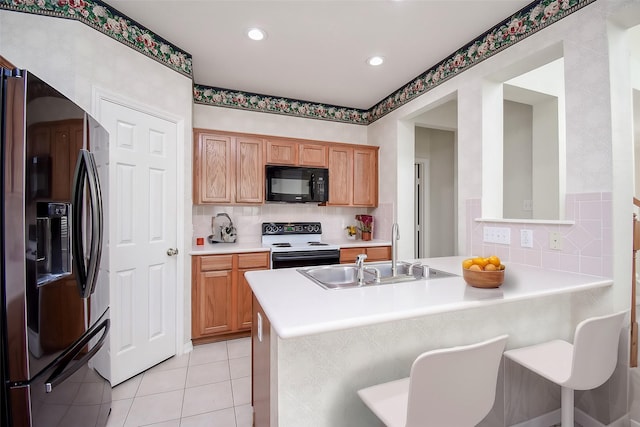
point(517, 158)
point(78, 60)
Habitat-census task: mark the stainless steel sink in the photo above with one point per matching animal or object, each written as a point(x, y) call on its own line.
point(375, 273)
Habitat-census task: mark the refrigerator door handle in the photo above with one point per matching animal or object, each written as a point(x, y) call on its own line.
point(87, 272)
point(61, 372)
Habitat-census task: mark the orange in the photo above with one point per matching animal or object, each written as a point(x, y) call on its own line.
point(494, 260)
point(481, 262)
point(490, 267)
point(467, 263)
point(475, 267)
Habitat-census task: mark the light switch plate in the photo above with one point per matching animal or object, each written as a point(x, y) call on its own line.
point(526, 238)
point(500, 235)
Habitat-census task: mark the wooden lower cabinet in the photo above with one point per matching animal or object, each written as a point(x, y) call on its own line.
point(221, 296)
point(374, 253)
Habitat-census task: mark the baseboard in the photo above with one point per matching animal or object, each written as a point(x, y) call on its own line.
point(580, 417)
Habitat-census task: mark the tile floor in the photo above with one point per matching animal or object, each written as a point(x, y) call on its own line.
point(211, 386)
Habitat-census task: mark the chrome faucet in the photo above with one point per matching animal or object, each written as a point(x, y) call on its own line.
point(360, 266)
point(395, 236)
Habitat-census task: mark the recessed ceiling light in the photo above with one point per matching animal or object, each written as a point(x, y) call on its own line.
point(375, 61)
point(256, 34)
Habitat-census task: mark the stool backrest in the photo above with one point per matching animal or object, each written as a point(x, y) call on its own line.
point(454, 387)
point(595, 351)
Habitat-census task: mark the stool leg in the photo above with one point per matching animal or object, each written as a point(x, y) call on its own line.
point(566, 406)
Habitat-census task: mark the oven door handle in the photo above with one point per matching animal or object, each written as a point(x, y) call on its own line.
point(306, 255)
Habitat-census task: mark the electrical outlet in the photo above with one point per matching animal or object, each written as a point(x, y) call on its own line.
point(526, 238)
point(555, 241)
point(500, 235)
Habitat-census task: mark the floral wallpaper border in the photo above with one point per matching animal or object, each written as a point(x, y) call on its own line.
point(530, 19)
point(111, 22)
point(278, 105)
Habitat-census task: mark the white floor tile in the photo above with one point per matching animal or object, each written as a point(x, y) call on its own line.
point(208, 373)
point(155, 408)
point(241, 391)
point(240, 367)
point(171, 423)
point(193, 390)
point(222, 418)
point(208, 353)
point(239, 348)
point(127, 389)
point(244, 415)
point(119, 411)
point(207, 398)
point(162, 381)
point(172, 363)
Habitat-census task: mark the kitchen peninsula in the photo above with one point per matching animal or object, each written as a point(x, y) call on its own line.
point(314, 348)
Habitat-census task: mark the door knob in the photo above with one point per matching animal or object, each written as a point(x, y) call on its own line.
point(172, 251)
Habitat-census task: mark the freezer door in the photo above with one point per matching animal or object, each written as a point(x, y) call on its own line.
point(70, 392)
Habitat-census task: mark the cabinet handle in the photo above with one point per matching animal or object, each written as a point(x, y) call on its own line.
point(259, 327)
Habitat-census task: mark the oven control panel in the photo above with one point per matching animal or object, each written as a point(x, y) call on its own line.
point(273, 228)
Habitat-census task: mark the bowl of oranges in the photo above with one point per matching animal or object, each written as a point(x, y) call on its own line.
point(482, 272)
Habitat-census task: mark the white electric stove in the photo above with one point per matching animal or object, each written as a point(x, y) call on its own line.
point(298, 244)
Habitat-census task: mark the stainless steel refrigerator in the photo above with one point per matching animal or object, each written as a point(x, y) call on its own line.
point(55, 301)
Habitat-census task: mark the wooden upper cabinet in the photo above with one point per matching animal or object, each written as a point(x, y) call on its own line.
point(281, 152)
point(228, 169)
point(313, 155)
point(365, 177)
point(340, 175)
point(213, 169)
point(249, 170)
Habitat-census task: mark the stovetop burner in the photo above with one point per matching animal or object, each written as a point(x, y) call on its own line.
point(317, 244)
point(282, 245)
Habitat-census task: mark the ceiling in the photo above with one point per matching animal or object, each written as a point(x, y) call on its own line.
point(317, 50)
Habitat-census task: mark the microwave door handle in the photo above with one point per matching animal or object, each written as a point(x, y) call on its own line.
point(95, 194)
point(77, 247)
point(312, 186)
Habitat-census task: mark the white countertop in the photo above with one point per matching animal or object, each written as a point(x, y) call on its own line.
point(227, 248)
point(297, 306)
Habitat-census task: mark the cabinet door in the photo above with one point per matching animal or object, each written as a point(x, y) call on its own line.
point(340, 175)
point(249, 170)
point(313, 155)
point(365, 177)
point(247, 262)
point(214, 303)
point(213, 173)
point(348, 255)
point(282, 152)
point(245, 295)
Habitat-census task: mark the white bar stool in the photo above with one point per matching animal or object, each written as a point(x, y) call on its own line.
point(453, 387)
point(585, 365)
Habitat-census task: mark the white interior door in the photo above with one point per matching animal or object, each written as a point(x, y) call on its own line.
point(143, 227)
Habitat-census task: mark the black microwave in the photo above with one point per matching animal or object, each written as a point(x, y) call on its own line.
point(296, 184)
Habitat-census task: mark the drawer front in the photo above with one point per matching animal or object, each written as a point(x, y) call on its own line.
point(253, 260)
point(348, 255)
point(379, 253)
point(216, 262)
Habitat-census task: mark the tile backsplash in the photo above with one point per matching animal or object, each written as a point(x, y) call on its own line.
point(586, 244)
point(248, 219)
